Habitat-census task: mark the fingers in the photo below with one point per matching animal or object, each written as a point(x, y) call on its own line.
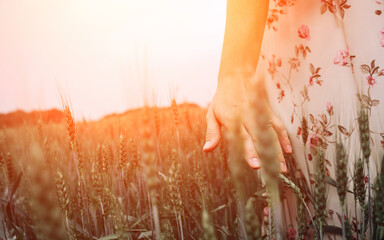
point(250, 153)
point(282, 134)
point(212, 138)
point(253, 158)
point(283, 164)
point(282, 137)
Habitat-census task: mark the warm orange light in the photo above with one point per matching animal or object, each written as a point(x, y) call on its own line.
point(107, 54)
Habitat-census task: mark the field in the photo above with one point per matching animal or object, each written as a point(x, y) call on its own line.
point(143, 175)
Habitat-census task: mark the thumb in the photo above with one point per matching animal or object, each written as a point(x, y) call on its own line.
point(213, 132)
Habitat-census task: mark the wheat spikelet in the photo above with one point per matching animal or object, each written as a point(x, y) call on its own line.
point(320, 197)
point(47, 153)
point(301, 220)
point(10, 168)
point(122, 152)
point(174, 181)
point(175, 111)
point(70, 125)
point(378, 213)
point(364, 134)
point(252, 221)
point(99, 158)
point(105, 159)
point(304, 129)
point(108, 201)
point(79, 157)
point(96, 181)
point(348, 230)
point(292, 186)
point(201, 181)
point(79, 200)
point(134, 162)
point(40, 130)
point(2, 168)
point(359, 189)
point(209, 231)
point(341, 172)
point(119, 223)
point(71, 129)
point(62, 193)
point(157, 122)
point(167, 231)
point(188, 120)
point(2, 160)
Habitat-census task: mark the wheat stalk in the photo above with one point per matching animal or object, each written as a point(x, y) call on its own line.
point(236, 166)
point(291, 185)
point(148, 157)
point(266, 147)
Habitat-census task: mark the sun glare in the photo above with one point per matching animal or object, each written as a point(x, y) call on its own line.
point(106, 54)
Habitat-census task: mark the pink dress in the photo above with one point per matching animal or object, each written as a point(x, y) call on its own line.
point(316, 56)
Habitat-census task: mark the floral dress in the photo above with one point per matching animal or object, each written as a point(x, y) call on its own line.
point(322, 60)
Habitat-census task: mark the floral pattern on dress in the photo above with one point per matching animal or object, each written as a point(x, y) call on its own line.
point(298, 76)
point(300, 53)
point(342, 58)
point(334, 6)
point(277, 9)
point(319, 87)
point(380, 9)
point(381, 37)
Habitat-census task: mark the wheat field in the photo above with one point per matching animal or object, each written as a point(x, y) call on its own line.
point(143, 175)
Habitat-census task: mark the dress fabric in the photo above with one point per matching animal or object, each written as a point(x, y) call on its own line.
point(317, 56)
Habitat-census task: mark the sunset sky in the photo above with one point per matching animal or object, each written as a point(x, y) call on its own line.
point(108, 55)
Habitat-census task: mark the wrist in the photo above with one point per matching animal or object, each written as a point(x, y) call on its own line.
point(235, 78)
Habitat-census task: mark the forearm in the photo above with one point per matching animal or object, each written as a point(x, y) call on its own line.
point(243, 36)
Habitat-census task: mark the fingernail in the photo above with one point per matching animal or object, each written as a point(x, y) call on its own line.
point(288, 148)
point(207, 145)
point(283, 167)
point(255, 163)
point(266, 211)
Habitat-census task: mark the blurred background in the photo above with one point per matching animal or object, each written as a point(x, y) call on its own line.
point(108, 56)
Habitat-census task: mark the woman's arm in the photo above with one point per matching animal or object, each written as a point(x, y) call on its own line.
point(244, 32)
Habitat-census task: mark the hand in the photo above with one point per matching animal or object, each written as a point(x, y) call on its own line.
point(231, 101)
